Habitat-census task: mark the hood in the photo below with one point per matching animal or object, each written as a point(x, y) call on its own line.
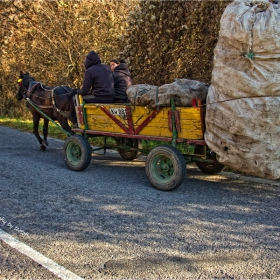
point(92, 58)
point(123, 68)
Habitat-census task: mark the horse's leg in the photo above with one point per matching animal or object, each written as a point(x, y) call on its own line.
point(45, 133)
point(36, 120)
point(64, 124)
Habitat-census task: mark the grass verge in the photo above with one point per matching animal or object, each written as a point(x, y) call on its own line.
point(27, 126)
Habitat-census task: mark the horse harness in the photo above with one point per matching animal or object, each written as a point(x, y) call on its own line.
point(31, 87)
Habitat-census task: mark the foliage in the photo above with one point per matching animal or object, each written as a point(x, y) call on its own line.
point(160, 40)
point(173, 39)
point(50, 40)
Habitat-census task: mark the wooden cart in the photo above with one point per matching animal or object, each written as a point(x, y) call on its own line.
point(128, 125)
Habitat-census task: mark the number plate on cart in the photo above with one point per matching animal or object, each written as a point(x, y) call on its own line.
point(118, 112)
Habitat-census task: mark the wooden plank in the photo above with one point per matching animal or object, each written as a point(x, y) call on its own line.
point(185, 123)
point(193, 133)
point(139, 113)
point(189, 119)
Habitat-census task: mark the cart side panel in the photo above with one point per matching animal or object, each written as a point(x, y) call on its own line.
point(98, 120)
point(190, 122)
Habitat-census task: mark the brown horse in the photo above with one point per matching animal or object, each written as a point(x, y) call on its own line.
point(54, 102)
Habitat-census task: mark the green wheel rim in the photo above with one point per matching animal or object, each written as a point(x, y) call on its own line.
point(162, 168)
point(73, 153)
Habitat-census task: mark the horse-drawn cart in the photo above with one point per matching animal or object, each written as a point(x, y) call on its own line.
point(128, 125)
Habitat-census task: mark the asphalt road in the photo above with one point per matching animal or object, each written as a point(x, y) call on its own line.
point(108, 222)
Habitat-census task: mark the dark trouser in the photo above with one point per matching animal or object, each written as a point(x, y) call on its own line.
point(92, 99)
point(120, 101)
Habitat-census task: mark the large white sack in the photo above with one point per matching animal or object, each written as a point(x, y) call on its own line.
point(243, 102)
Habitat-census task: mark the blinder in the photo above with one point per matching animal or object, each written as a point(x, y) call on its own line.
point(19, 82)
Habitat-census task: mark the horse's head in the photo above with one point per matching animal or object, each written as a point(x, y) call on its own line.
point(23, 83)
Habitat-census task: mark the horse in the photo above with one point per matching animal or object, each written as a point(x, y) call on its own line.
point(54, 102)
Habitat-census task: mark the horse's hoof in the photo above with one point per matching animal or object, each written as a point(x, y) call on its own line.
point(42, 148)
point(45, 143)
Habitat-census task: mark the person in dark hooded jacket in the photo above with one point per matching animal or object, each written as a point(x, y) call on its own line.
point(98, 84)
point(122, 81)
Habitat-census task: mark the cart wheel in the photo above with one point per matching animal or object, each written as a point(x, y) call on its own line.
point(77, 152)
point(165, 167)
point(125, 154)
point(208, 168)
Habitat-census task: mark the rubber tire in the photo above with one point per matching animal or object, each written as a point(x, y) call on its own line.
point(77, 152)
point(128, 155)
point(168, 158)
point(207, 168)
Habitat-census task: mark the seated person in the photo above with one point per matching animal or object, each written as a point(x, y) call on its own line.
point(122, 80)
point(114, 63)
point(98, 84)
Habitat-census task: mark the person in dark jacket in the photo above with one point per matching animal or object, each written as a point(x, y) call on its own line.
point(122, 81)
point(98, 84)
point(114, 63)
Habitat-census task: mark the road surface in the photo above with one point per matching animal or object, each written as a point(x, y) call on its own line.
point(108, 222)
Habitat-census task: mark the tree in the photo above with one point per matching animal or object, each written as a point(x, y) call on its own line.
point(50, 39)
point(160, 40)
point(173, 39)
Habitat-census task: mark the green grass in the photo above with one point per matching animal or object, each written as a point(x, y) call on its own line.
point(185, 149)
point(27, 126)
point(54, 131)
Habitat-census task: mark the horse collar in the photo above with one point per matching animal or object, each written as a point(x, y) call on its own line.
point(32, 85)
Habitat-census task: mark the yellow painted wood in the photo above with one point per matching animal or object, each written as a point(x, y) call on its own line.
point(80, 99)
point(190, 120)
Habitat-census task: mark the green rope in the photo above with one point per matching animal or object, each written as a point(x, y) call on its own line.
point(250, 55)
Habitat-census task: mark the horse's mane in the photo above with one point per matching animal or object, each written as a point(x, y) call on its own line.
point(26, 79)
